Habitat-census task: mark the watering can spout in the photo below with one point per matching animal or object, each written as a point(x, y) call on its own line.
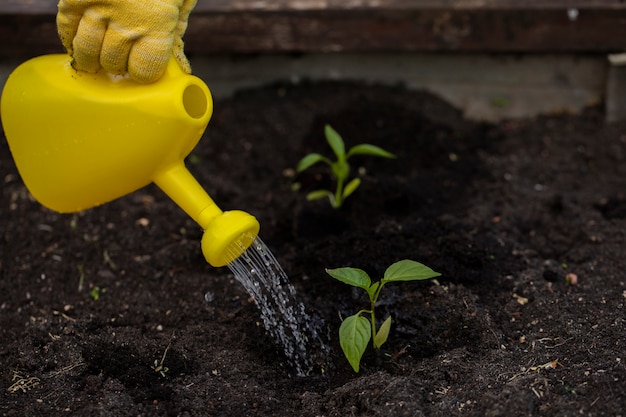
point(80, 140)
point(226, 234)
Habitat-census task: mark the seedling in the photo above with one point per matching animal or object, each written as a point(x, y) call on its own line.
point(96, 292)
point(356, 331)
point(158, 364)
point(340, 168)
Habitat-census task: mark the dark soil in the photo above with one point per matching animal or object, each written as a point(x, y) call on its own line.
point(526, 221)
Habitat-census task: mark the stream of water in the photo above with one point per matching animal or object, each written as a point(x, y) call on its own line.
point(284, 318)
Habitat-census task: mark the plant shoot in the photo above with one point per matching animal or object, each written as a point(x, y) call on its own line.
point(356, 331)
point(340, 167)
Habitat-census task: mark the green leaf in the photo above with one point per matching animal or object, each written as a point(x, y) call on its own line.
point(354, 334)
point(316, 195)
point(351, 276)
point(309, 160)
point(341, 169)
point(336, 142)
point(367, 149)
point(351, 187)
point(407, 270)
point(371, 291)
point(95, 293)
point(383, 333)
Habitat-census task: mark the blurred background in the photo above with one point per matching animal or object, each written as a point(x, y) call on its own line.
point(493, 59)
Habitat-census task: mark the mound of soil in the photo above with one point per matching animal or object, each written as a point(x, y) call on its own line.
point(114, 311)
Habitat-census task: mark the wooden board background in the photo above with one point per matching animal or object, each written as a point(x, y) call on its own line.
point(27, 27)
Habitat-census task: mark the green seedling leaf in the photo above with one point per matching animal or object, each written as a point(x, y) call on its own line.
point(407, 270)
point(367, 149)
point(354, 335)
point(371, 291)
point(341, 169)
point(336, 142)
point(351, 187)
point(316, 195)
point(96, 292)
point(309, 160)
point(351, 276)
point(383, 333)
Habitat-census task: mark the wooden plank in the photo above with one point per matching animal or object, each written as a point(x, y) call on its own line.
point(229, 6)
point(27, 27)
point(27, 7)
point(422, 30)
point(309, 5)
point(28, 35)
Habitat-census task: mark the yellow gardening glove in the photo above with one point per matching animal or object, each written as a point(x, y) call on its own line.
point(125, 36)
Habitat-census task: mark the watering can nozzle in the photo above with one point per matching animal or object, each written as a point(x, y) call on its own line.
point(228, 236)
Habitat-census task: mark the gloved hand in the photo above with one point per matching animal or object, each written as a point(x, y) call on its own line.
point(137, 37)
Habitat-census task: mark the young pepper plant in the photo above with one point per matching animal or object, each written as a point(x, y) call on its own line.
point(340, 167)
point(356, 331)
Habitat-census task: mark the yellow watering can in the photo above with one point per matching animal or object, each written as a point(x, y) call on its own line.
point(80, 140)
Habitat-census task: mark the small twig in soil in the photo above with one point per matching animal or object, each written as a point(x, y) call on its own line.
point(108, 260)
point(65, 369)
point(559, 344)
point(548, 365)
point(81, 277)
